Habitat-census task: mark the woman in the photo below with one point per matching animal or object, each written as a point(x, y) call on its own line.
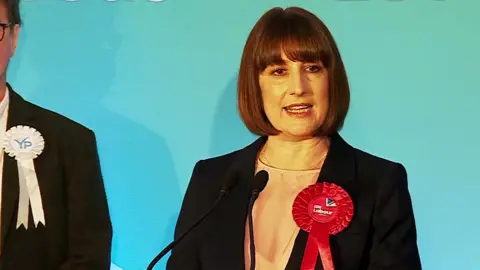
point(293, 93)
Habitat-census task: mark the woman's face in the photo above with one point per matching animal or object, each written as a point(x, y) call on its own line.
point(295, 97)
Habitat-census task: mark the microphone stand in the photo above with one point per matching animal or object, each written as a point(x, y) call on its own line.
point(250, 230)
point(174, 243)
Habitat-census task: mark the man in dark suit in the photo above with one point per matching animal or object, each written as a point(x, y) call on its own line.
point(54, 212)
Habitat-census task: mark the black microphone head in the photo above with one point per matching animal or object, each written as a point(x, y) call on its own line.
point(230, 180)
point(260, 181)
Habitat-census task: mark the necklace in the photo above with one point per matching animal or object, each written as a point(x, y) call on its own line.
point(317, 165)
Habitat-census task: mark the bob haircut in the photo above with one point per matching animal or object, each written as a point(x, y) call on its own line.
point(301, 36)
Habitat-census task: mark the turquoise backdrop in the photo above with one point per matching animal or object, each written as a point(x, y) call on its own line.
point(156, 81)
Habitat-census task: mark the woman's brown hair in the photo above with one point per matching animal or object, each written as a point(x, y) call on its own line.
point(301, 36)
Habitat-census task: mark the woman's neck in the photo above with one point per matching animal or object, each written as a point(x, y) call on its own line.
point(304, 154)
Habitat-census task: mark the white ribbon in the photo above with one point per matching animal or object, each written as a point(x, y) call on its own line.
point(29, 192)
point(25, 144)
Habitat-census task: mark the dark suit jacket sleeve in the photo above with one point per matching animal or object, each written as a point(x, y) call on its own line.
point(184, 255)
point(395, 236)
point(89, 225)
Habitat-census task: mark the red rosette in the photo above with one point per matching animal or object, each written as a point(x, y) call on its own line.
point(328, 198)
point(322, 209)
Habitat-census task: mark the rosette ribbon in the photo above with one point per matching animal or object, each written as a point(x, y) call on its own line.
point(25, 144)
point(322, 209)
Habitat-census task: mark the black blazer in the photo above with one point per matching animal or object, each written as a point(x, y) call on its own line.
point(77, 234)
point(382, 234)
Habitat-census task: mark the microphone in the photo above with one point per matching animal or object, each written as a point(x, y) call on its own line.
point(259, 182)
point(230, 181)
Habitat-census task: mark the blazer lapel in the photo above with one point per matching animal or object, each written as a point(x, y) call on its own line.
point(229, 238)
point(338, 168)
point(18, 114)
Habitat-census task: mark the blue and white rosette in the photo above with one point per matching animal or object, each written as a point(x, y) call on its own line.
point(25, 143)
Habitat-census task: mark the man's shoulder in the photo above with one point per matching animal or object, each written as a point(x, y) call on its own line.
point(57, 122)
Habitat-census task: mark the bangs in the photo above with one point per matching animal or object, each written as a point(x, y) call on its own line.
point(296, 38)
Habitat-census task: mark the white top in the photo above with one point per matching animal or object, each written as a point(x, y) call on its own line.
point(3, 128)
point(274, 227)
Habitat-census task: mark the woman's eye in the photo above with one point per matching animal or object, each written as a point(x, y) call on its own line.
point(279, 71)
point(314, 68)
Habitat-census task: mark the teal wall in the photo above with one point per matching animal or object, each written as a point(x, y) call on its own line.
point(156, 81)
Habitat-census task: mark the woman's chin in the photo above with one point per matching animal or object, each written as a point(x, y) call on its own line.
point(298, 133)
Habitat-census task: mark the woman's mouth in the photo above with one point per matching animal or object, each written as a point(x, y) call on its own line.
point(299, 110)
